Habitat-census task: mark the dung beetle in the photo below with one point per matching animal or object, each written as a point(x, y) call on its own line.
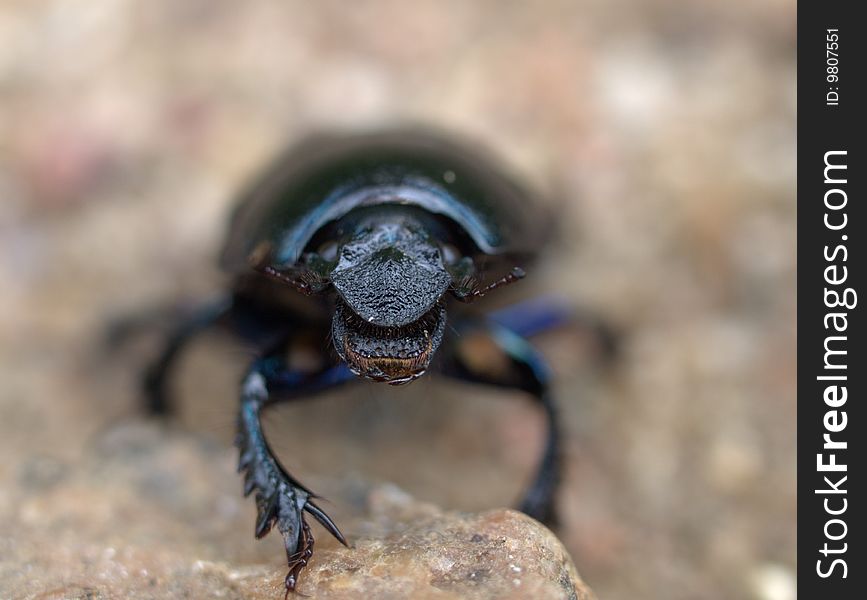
point(363, 243)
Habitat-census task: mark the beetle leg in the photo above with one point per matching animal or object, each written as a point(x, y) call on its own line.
point(280, 499)
point(536, 316)
point(529, 372)
point(155, 377)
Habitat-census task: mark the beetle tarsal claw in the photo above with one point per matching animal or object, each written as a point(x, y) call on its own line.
point(297, 560)
point(325, 521)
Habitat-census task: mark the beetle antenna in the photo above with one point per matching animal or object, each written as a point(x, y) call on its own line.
point(304, 281)
point(512, 276)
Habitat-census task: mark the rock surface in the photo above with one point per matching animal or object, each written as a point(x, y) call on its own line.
point(431, 554)
point(138, 520)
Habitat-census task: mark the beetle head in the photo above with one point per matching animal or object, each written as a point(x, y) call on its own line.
point(389, 320)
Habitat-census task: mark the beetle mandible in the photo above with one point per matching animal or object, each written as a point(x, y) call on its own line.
point(362, 239)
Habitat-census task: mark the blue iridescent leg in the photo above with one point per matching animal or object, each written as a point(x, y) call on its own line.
point(529, 373)
point(539, 315)
point(534, 316)
point(280, 498)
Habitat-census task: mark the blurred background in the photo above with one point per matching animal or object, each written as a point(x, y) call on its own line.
point(663, 132)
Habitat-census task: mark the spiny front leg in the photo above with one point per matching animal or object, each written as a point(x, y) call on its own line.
point(280, 498)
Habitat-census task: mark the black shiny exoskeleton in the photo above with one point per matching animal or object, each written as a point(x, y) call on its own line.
point(364, 243)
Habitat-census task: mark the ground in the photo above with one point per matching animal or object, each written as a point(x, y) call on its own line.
point(663, 135)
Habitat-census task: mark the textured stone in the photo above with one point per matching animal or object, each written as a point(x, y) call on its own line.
point(145, 516)
point(432, 554)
